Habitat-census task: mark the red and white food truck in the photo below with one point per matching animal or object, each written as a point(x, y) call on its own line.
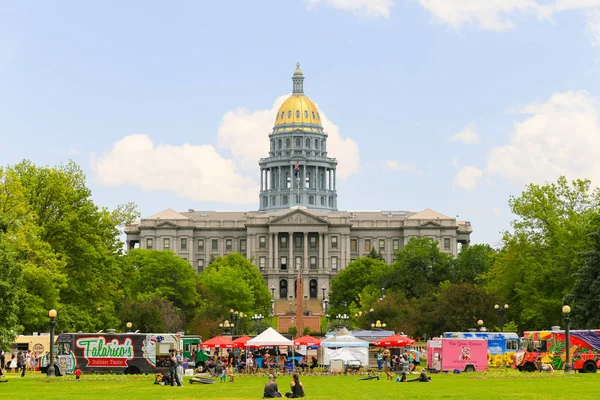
point(468, 355)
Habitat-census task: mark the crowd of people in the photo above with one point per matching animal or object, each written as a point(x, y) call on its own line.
point(21, 361)
point(257, 363)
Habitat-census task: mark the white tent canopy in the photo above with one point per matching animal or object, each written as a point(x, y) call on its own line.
point(270, 337)
point(344, 346)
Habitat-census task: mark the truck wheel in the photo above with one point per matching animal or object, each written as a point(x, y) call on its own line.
point(529, 367)
point(469, 368)
point(589, 367)
point(132, 371)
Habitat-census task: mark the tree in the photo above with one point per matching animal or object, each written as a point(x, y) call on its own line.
point(473, 262)
point(419, 268)
point(375, 255)
point(233, 282)
point(585, 295)
point(360, 276)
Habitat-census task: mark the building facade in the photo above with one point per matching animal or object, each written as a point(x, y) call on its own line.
point(297, 224)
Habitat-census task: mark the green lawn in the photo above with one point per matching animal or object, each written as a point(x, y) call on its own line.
point(492, 385)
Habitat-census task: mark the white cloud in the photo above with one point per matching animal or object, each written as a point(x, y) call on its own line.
point(559, 137)
point(499, 15)
point(195, 172)
point(199, 172)
point(246, 135)
point(398, 166)
point(366, 8)
point(466, 136)
point(467, 177)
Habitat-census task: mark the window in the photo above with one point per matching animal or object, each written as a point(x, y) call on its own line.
point(285, 199)
point(279, 144)
point(288, 143)
point(283, 263)
point(311, 200)
point(228, 245)
point(283, 241)
point(297, 113)
point(273, 202)
point(200, 244)
point(512, 344)
point(334, 241)
point(262, 242)
point(242, 245)
point(298, 262)
point(215, 244)
point(381, 244)
point(265, 201)
point(331, 202)
point(313, 115)
point(298, 143)
point(353, 245)
point(447, 244)
point(322, 200)
point(313, 242)
point(305, 114)
point(396, 244)
point(166, 244)
point(289, 113)
point(334, 264)
point(317, 144)
point(282, 114)
point(183, 244)
point(298, 242)
point(200, 265)
point(262, 263)
point(367, 244)
point(149, 244)
point(313, 263)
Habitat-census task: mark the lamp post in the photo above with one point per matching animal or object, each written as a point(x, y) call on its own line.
point(480, 325)
point(378, 325)
point(226, 325)
point(272, 307)
point(323, 288)
point(51, 372)
point(371, 316)
point(273, 291)
point(259, 318)
point(501, 311)
point(326, 301)
point(567, 314)
point(129, 325)
point(342, 318)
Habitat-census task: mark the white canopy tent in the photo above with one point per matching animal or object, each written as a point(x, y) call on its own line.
point(269, 337)
point(344, 346)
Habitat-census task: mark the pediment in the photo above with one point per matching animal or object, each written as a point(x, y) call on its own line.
point(298, 217)
point(430, 224)
point(166, 224)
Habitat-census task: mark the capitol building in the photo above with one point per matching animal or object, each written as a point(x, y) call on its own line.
point(297, 224)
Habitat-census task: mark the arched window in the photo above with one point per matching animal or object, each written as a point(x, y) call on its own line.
point(308, 180)
point(331, 202)
point(313, 115)
point(265, 201)
point(298, 143)
point(317, 144)
point(311, 200)
point(305, 114)
point(289, 113)
point(288, 143)
point(322, 200)
point(288, 180)
point(279, 144)
point(283, 289)
point(297, 113)
point(307, 146)
point(285, 200)
point(282, 115)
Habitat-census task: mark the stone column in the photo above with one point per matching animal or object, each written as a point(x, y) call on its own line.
point(306, 262)
point(334, 180)
point(262, 171)
point(342, 245)
point(270, 259)
point(320, 244)
point(291, 251)
point(221, 245)
point(326, 250)
point(348, 252)
point(276, 262)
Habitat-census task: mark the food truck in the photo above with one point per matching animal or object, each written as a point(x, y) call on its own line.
point(549, 347)
point(502, 346)
point(464, 355)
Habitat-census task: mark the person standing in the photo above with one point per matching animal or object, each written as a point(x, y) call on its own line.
point(2, 358)
point(22, 362)
point(173, 368)
point(379, 360)
point(77, 374)
point(387, 364)
point(180, 366)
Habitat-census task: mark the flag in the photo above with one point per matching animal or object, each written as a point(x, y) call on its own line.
point(296, 169)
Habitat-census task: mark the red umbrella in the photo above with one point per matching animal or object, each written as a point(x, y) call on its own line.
point(394, 341)
point(307, 341)
point(219, 342)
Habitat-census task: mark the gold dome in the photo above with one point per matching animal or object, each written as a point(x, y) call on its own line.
point(298, 109)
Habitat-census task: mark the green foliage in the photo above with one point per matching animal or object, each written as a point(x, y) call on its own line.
point(292, 330)
point(473, 262)
point(306, 331)
point(375, 255)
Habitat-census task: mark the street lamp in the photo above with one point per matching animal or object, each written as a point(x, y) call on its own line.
point(226, 325)
point(371, 316)
point(480, 325)
point(51, 372)
point(342, 318)
point(378, 325)
point(259, 318)
point(323, 288)
point(501, 311)
point(567, 313)
point(273, 291)
point(326, 301)
point(129, 325)
point(272, 307)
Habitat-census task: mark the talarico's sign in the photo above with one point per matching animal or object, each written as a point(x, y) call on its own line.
point(100, 353)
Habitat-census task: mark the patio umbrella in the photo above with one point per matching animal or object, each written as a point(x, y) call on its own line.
point(219, 342)
point(241, 341)
point(307, 341)
point(394, 341)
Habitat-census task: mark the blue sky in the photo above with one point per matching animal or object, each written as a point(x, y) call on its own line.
point(449, 104)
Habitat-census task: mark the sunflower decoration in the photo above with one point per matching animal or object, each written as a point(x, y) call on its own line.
point(489, 358)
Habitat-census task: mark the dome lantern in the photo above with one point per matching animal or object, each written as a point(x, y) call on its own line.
point(298, 80)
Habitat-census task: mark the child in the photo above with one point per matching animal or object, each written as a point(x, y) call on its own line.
point(223, 375)
point(230, 370)
point(77, 374)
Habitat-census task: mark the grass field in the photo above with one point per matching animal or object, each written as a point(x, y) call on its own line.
point(491, 385)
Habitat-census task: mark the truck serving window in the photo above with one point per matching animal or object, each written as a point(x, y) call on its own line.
point(512, 344)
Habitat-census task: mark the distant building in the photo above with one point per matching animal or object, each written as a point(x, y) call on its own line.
point(297, 224)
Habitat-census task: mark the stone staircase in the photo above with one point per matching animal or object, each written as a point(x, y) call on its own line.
point(287, 307)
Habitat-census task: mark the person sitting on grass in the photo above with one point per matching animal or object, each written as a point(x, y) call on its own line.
point(271, 389)
point(422, 377)
point(297, 388)
point(543, 366)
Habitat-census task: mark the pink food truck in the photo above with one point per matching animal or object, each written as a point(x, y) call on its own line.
point(468, 355)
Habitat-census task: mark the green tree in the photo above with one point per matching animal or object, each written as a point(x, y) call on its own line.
point(473, 262)
point(362, 276)
point(376, 255)
point(419, 268)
